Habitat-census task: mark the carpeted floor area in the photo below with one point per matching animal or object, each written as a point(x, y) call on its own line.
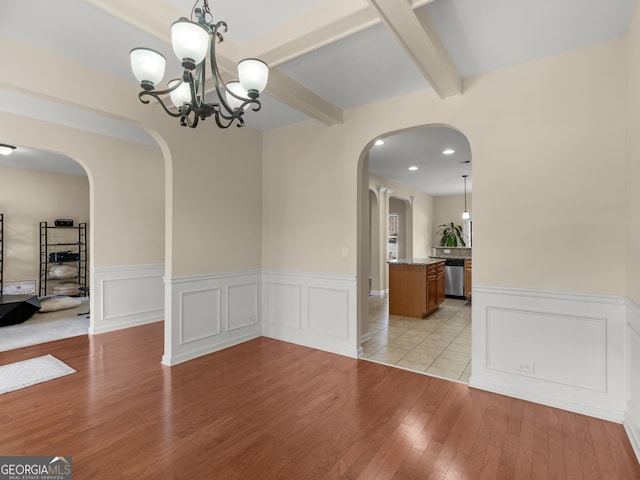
point(46, 327)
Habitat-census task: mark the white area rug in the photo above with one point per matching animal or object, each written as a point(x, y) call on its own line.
point(15, 376)
point(46, 327)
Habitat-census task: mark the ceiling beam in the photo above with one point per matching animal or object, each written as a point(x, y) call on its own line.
point(289, 91)
point(331, 21)
point(420, 40)
point(296, 95)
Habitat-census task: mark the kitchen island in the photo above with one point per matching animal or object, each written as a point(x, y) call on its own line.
point(416, 286)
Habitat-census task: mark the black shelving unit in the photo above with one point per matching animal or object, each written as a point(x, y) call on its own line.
point(62, 239)
point(1, 253)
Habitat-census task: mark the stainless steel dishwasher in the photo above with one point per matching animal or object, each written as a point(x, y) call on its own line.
point(454, 277)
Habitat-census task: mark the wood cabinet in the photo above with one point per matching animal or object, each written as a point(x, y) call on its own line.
point(440, 283)
point(415, 290)
point(432, 288)
point(467, 278)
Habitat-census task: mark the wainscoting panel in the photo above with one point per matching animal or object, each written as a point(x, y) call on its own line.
point(560, 349)
point(314, 310)
point(521, 334)
point(123, 297)
point(202, 308)
point(328, 312)
point(632, 415)
point(209, 313)
point(242, 313)
point(284, 304)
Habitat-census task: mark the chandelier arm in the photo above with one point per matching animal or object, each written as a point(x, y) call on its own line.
point(229, 120)
point(256, 104)
point(217, 77)
point(193, 86)
point(235, 115)
point(156, 95)
point(187, 122)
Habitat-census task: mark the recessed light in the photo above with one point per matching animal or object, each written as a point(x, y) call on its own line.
point(379, 142)
point(449, 151)
point(6, 149)
point(413, 168)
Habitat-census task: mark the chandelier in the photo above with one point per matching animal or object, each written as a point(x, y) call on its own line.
point(191, 40)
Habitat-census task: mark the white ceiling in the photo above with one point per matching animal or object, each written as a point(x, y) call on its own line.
point(438, 174)
point(339, 54)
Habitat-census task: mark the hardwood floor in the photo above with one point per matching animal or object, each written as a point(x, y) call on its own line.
point(267, 409)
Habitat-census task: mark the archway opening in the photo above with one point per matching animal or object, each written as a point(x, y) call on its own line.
point(415, 186)
point(45, 200)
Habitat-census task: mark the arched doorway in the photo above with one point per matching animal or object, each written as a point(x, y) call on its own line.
point(37, 190)
point(404, 218)
point(126, 228)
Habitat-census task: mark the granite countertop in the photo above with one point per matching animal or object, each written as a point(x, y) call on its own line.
point(416, 261)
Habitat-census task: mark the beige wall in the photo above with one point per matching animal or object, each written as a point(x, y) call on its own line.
point(539, 134)
point(28, 197)
point(633, 160)
point(447, 209)
point(216, 199)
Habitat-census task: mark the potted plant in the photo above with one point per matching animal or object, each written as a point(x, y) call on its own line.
point(451, 235)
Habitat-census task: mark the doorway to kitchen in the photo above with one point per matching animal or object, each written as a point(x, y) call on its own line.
point(413, 188)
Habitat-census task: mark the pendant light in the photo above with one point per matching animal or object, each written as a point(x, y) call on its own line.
point(465, 214)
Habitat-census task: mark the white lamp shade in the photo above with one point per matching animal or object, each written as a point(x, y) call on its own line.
point(147, 65)
point(465, 215)
point(253, 74)
point(189, 40)
point(236, 88)
point(180, 95)
point(6, 149)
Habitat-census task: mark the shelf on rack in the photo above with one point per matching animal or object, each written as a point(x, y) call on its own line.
point(46, 248)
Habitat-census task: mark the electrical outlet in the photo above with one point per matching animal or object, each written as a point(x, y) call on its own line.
point(529, 368)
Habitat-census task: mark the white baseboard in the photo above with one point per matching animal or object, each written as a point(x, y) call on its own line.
point(632, 358)
point(128, 296)
point(559, 349)
point(632, 427)
point(206, 313)
point(563, 403)
point(313, 310)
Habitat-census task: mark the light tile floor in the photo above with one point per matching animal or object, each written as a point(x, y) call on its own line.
point(439, 344)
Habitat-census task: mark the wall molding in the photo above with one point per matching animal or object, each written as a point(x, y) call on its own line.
point(126, 296)
point(556, 348)
point(210, 312)
point(311, 309)
point(551, 295)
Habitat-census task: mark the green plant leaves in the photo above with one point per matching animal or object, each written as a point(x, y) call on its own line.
point(451, 235)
